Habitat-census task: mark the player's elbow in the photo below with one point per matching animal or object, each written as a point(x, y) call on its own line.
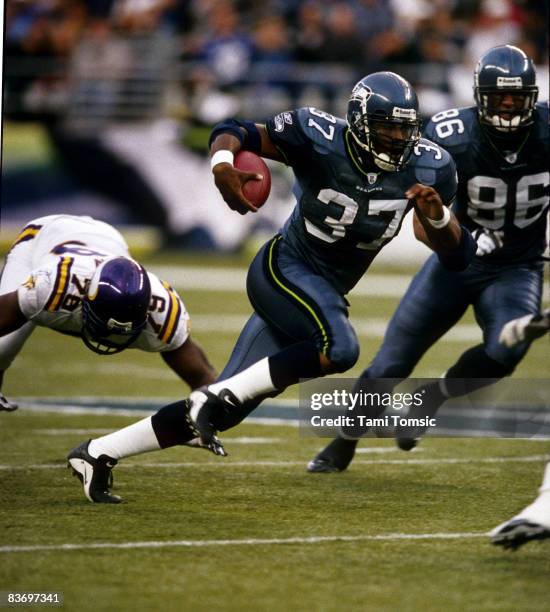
point(460, 257)
point(11, 317)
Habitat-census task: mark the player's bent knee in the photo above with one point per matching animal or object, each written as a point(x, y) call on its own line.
point(343, 359)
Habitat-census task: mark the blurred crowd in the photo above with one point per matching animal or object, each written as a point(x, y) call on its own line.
point(283, 46)
point(110, 80)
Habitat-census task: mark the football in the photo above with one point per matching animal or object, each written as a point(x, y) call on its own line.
point(256, 191)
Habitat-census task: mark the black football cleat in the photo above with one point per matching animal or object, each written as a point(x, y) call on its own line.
point(408, 437)
point(406, 444)
point(215, 445)
point(334, 458)
point(6, 405)
point(517, 532)
point(204, 408)
point(94, 474)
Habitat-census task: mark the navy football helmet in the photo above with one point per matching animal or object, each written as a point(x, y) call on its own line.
point(115, 307)
point(505, 89)
point(383, 119)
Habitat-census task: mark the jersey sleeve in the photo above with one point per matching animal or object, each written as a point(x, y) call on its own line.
point(168, 321)
point(446, 182)
point(286, 131)
point(429, 132)
point(45, 288)
point(438, 170)
point(452, 129)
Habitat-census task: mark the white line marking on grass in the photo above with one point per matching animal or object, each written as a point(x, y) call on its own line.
point(77, 410)
point(364, 326)
point(234, 280)
point(68, 430)
point(253, 440)
point(381, 450)
point(234, 464)
point(86, 432)
point(245, 542)
point(33, 404)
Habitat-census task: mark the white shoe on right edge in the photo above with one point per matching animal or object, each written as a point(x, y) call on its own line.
point(532, 523)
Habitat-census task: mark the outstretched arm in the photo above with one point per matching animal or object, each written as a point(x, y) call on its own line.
point(191, 364)
point(11, 317)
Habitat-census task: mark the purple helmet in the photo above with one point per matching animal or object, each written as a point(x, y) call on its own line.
point(115, 307)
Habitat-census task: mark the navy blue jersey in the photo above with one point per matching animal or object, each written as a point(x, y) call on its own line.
point(345, 215)
point(499, 189)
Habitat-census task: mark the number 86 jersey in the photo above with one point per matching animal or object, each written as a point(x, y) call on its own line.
point(344, 213)
point(503, 184)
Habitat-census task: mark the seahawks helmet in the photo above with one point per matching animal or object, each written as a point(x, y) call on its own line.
point(115, 307)
point(505, 89)
point(383, 119)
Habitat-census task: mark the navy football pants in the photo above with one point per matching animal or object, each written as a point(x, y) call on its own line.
point(292, 303)
point(437, 298)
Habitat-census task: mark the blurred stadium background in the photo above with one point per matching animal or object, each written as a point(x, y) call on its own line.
point(108, 103)
point(107, 110)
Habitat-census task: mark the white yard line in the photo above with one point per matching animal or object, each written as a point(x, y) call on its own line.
point(88, 432)
point(31, 404)
point(137, 412)
point(244, 542)
point(382, 450)
point(364, 326)
point(234, 279)
point(237, 464)
point(77, 410)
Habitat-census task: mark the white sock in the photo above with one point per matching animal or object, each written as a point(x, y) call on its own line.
point(132, 440)
point(248, 384)
point(539, 510)
point(546, 480)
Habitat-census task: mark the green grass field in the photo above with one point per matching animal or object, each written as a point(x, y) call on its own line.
point(215, 532)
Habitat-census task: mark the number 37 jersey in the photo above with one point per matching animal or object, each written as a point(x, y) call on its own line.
point(499, 190)
point(344, 215)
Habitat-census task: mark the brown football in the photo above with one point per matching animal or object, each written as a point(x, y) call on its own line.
point(256, 191)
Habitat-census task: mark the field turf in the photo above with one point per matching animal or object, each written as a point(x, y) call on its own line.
point(181, 503)
point(254, 531)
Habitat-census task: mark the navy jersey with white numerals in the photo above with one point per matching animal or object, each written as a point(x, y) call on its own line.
point(499, 189)
point(344, 215)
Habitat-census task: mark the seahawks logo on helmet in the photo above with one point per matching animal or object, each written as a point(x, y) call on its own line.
point(361, 94)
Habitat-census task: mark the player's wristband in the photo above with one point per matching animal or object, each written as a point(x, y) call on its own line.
point(443, 222)
point(222, 157)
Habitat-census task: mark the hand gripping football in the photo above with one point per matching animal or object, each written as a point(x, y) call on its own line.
point(256, 191)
